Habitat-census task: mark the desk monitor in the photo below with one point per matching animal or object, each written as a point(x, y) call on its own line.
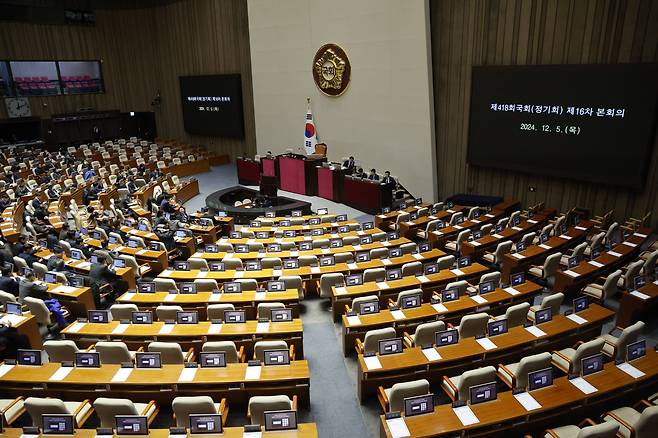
point(636, 350)
point(217, 266)
point(182, 234)
point(366, 240)
point(463, 262)
point(543, 315)
point(477, 234)
point(118, 263)
point(234, 316)
point(94, 259)
point(255, 224)
point(322, 211)
point(274, 247)
point(368, 225)
point(280, 420)
point(341, 218)
point(187, 288)
point(205, 424)
point(418, 405)
point(520, 246)
point(451, 294)
point(446, 337)
point(154, 246)
point(343, 229)
point(291, 263)
point(639, 281)
point(289, 233)
point(50, 277)
point(592, 364)
point(181, 265)
point(336, 243)
point(29, 357)
point(386, 210)
point(99, 316)
point(296, 213)
point(390, 346)
point(518, 278)
point(13, 308)
point(580, 303)
point(362, 257)
point(327, 260)
point(262, 235)
point(211, 248)
point(543, 237)
point(276, 285)
point(424, 247)
point(205, 222)
point(148, 360)
point(499, 228)
point(305, 246)
point(221, 214)
point(413, 216)
point(440, 224)
point(482, 393)
point(368, 307)
point(280, 315)
point(212, 359)
point(476, 214)
point(187, 317)
point(487, 286)
point(276, 357)
point(57, 424)
point(459, 220)
point(142, 317)
point(241, 249)
point(392, 235)
point(315, 221)
point(132, 243)
point(270, 214)
point(76, 281)
point(430, 268)
point(418, 201)
point(572, 262)
point(76, 254)
point(516, 221)
point(146, 287)
point(497, 327)
point(540, 379)
point(232, 287)
point(354, 279)
point(235, 235)
point(394, 252)
point(411, 301)
point(142, 227)
point(131, 425)
point(96, 235)
point(393, 274)
point(87, 359)
point(595, 252)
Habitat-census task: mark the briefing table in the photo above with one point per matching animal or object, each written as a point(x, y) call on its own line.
point(506, 416)
point(297, 174)
point(248, 171)
point(468, 353)
point(366, 195)
point(26, 325)
point(330, 182)
point(494, 302)
point(236, 381)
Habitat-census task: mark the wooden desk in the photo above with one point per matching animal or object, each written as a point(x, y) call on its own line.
point(497, 302)
point(77, 299)
point(297, 228)
point(189, 167)
point(365, 195)
point(305, 218)
point(468, 354)
point(207, 233)
point(506, 417)
point(298, 238)
point(27, 327)
point(442, 236)
point(157, 260)
point(383, 219)
point(161, 384)
point(187, 190)
point(633, 308)
point(342, 296)
point(12, 221)
point(186, 244)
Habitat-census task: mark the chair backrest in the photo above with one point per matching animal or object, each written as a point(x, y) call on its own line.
point(170, 352)
point(258, 405)
point(402, 217)
point(39, 269)
point(408, 248)
point(321, 243)
point(646, 426)
point(412, 268)
point(584, 350)
point(528, 364)
point(264, 309)
point(293, 282)
point(364, 299)
point(551, 264)
point(372, 338)
point(517, 314)
point(247, 283)
point(501, 249)
point(378, 253)
point(632, 270)
point(474, 377)
point(460, 285)
point(36, 407)
point(122, 311)
point(165, 284)
point(462, 237)
point(216, 311)
point(596, 240)
point(232, 264)
point(610, 284)
point(612, 232)
point(38, 308)
point(108, 408)
point(271, 263)
point(512, 218)
point(628, 336)
point(113, 352)
point(344, 257)
point(6, 297)
point(197, 263)
point(308, 260)
point(228, 347)
point(373, 274)
point(491, 276)
point(528, 238)
point(59, 351)
point(424, 334)
point(579, 250)
point(445, 262)
point(206, 284)
point(184, 406)
point(165, 312)
point(403, 390)
point(329, 280)
point(650, 263)
point(406, 293)
point(554, 301)
point(455, 217)
point(607, 429)
point(473, 325)
point(261, 346)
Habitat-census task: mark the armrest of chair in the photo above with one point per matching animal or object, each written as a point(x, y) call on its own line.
point(509, 373)
point(189, 355)
point(148, 407)
point(450, 325)
point(383, 399)
point(347, 309)
point(82, 406)
point(291, 351)
point(358, 346)
point(223, 410)
point(241, 354)
point(294, 402)
point(621, 421)
point(563, 357)
point(406, 338)
point(587, 422)
point(551, 433)
point(140, 349)
point(391, 303)
point(10, 406)
point(452, 386)
point(92, 347)
point(144, 269)
point(639, 406)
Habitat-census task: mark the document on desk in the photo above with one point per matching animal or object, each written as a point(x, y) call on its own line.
point(571, 273)
point(262, 327)
point(640, 235)
point(187, 374)
point(595, 264)
point(517, 228)
point(527, 401)
point(142, 251)
point(354, 320)
point(479, 299)
point(418, 256)
point(497, 236)
point(252, 434)
point(544, 246)
point(578, 227)
point(60, 374)
point(630, 370)
point(382, 285)
point(29, 435)
point(170, 297)
point(386, 243)
point(252, 373)
point(457, 272)
point(517, 255)
point(640, 295)
point(352, 266)
point(360, 233)
point(398, 315)
point(356, 247)
point(583, 385)
point(122, 374)
point(486, 343)
point(431, 354)
point(457, 227)
point(335, 235)
point(294, 253)
point(83, 265)
point(315, 270)
point(341, 290)
point(119, 329)
point(276, 273)
point(531, 221)
point(577, 319)
point(439, 307)
point(475, 243)
point(565, 237)
point(202, 274)
point(215, 329)
point(475, 221)
point(4, 369)
point(215, 298)
point(166, 329)
point(398, 427)
point(386, 262)
point(260, 296)
point(65, 289)
point(325, 251)
point(466, 415)
point(510, 290)
point(238, 274)
point(167, 272)
point(614, 254)
point(76, 327)
point(423, 279)
point(631, 244)
point(535, 331)
point(372, 363)
point(13, 319)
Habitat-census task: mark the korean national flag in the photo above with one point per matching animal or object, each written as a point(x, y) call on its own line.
point(310, 136)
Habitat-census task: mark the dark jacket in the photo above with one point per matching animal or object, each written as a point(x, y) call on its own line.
point(100, 274)
point(9, 285)
point(55, 264)
point(28, 288)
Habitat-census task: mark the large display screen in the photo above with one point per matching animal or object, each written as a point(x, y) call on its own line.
point(49, 78)
point(80, 77)
point(592, 123)
point(35, 78)
point(212, 105)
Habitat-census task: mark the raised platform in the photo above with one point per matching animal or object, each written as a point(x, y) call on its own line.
point(224, 200)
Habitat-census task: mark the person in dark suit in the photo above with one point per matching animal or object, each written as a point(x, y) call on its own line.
point(28, 255)
point(349, 164)
point(388, 179)
point(8, 283)
point(360, 173)
point(29, 288)
point(56, 261)
point(100, 274)
point(373, 175)
point(131, 186)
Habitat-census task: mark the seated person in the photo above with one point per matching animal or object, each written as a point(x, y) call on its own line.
point(349, 164)
point(28, 287)
point(373, 175)
point(388, 179)
point(8, 282)
point(56, 261)
point(28, 255)
point(360, 173)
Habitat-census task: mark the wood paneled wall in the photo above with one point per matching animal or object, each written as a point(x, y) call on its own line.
point(143, 51)
point(516, 32)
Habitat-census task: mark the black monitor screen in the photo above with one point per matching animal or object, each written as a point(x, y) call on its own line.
point(131, 425)
point(446, 337)
point(232, 287)
point(276, 357)
point(411, 301)
point(390, 346)
point(354, 279)
point(592, 364)
point(422, 404)
point(212, 359)
point(212, 105)
point(98, 316)
point(276, 286)
point(148, 360)
point(28, 357)
point(234, 316)
point(281, 315)
point(187, 317)
point(146, 287)
point(487, 286)
point(482, 393)
point(543, 315)
point(554, 118)
point(394, 274)
point(449, 295)
point(182, 266)
point(362, 256)
point(59, 424)
point(636, 350)
point(280, 420)
point(430, 268)
point(518, 279)
point(205, 424)
point(87, 359)
point(580, 303)
point(497, 327)
point(365, 308)
point(540, 379)
point(188, 288)
point(217, 266)
point(142, 317)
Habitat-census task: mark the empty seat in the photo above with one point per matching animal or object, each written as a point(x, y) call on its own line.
point(167, 312)
point(371, 340)
point(633, 424)
point(171, 352)
point(601, 292)
point(261, 346)
point(457, 387)
point(206, 284)
point(329, 280)
point(36, 407)
point(108, 408)
point(216, 311)
point(11, 409)
point(122, 311)
point(165, 285)
point(197, 263)
point(516, 315)
point(412, 268)
point(271, 263)
point(392, 399)
point(603, 430)
point(374, 274)
point(615, 346)
point(515, 375)
point(229, 349)
point(424, 333)
point(264, 310)
point(547, 271)
point(258, 405)
point(293, 282)
point(569, 359)
point(501, 249)
point(554, 301)
point(60, 351)
point(473, 325)
point(183, 407)
point(247, 284)
point(445, 262)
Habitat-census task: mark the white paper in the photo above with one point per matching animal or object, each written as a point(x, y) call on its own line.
point(497, 236)
point(386, 243)
point(398, 315)
point(459, 227)
point(639, 294)
point(252, 373)
point(202, 274)
point(410, 223)
point(76, 327)
point(510, 290)
point(630, 370)
point(570, 273)
point(187, 374)
point(475, 221)
point(260, 296)
point(457, 272)
point(228, 255)
point(431, 354)
point(119, 329)
point(122, 375)
point(356, 247)
point(517, 228)
point(544, 246)
point(142, 251)
point(580, 228)
point(27, 435)
point(13, 319)
point(631, 244)
point(531, 221)
point(596, 264)
point(167, 272)
point(262, 327)
point(60, 374)
point(439, 307)
point(565, 237)
point(325, 251)
point(486, 343)
point(360, 233)
point(372, 363)
point(215, 298)
point(83, 265)
point(583, 385)
point(517, 255)
point(398, 427)
point(466, 415)
point(382, 285)
point(640, 235)
point(352, 266)
point(128, 296)
point(423, 279)
point(65, 289)
point(614, 254)
point(170, 297)
point(418, 256)
point(341, 290)
point(215, 329)
point(294, 253)
point(535, 331)
point(475, 243)
point(238, 274)
point(387, 262)
point(166, 329)
point(4, 369)
point(315, 270)
point(527, 401)
point(252, 434)
point(577, 319)
point(354, 320)
point(479, 299)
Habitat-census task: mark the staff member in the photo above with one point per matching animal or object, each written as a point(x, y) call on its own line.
point(373, 175)
point(349, 164)
point(388, 179)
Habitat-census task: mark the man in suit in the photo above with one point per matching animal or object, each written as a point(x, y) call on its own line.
point(56, 261)
point(360, 173)
point(131, 186)
point(373, 175)
point(388, 179)
point(8, 283)
point(29, 288)
point(28, 255)
point(349, 164)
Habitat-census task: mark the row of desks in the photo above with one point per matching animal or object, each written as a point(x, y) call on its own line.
point(304, 430)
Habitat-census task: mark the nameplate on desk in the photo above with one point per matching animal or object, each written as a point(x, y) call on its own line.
point(315, 270)
point(584, 386)
point(398, 315)
point(595, 264)
point(122, 374)
point(262, 327)
point(252, 373)
point(466, 415)
point(475, 221)
point(166, 273)
point(614, 254)
point(354, 320)
point(166, 329)
point(535, 331)
point(479, 299)
point(577, 319)
point(571, 273)
point(4, 369)
point(510, 290)
point(60, 374)
point(518, 256)
point(294, 253)
point(260, 296)
point(398, 427)
point(382, 285)
point(486, 343)
point(387, 262)
point(497, 236)
point(76, 327)
point(83, 265)
point(360, 233)
point(215, 298)
point(431, 354)
point(372, 362)
point(527, 401)
point(215, 329)
point(457, 272)
point(640, 295)
point(13, 319)
point(439, 307)
point(631, 244)
point(423, 279)
point(565, 237)
point(187, 374)
point(325, 251)
point(119, 329)
point(630, 370)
